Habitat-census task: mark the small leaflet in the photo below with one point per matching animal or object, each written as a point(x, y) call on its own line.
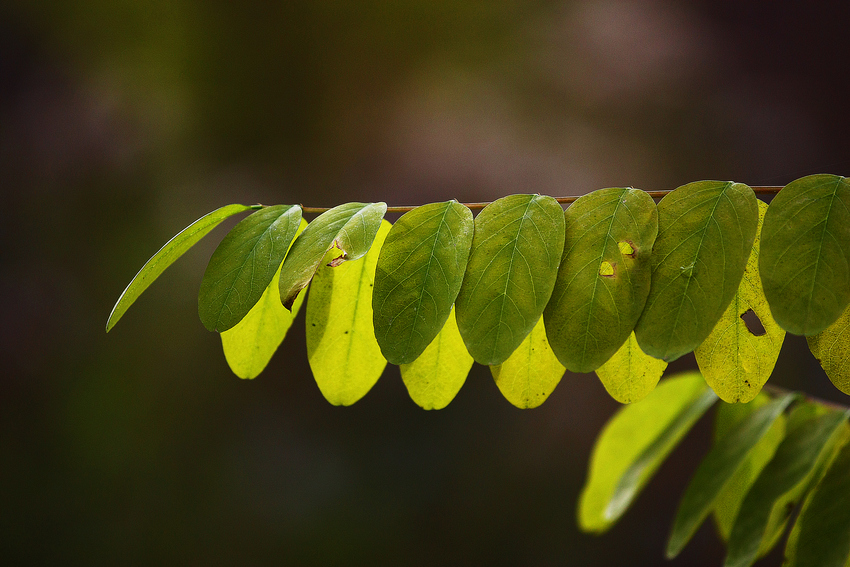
point(631, 374)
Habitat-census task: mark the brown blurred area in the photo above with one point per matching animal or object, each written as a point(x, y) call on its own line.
point(122, 121)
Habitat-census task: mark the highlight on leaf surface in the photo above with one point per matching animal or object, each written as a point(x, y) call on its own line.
point(604, 277)
point(631, 374)
point(418, 277)
point(832, 349)
point(509, 277)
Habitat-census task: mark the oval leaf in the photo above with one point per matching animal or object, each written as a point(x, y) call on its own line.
point(418, 277)
point(250, 344)
point(173, 249)
point(243, 265)
point(737, 360)
point(344, 356)
point(511, 271)
point(705, 235)
point(604, 277)
point(631, 374)
point(805, 258)
point(532, 371)
point(832, 349)
point(350, 227)
point(434, 379)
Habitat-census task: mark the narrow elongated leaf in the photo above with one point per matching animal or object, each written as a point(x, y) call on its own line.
point(805, 257)
point(350, 227)
point(344, 356)
point(604, 277)
point(716, 469)
point(250, 344)
point(705, 235)
point(634, 443)
point(793, 463)
point(243, 265)
point(736, 360)
point(511, 271)
point(631, 374)
point(418, 277)
point(832, 349)
point(434, 379)
point(173, 249)
point(531, 373)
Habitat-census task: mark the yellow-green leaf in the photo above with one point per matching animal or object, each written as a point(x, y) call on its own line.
point(344, 356)
point(631, 374)
point(832, 349)
point(531, 373)
point(736, 360)
point(436, 376)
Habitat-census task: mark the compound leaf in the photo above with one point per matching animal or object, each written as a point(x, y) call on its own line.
point(832, 349)
point(631, 374)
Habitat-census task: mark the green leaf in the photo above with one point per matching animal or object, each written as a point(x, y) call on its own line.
point(705, 235)
point(243, 265)
point(805, 257)
point(418, 277)
point(631, 374)
point(173, 249)
point(604, 277)
point(511, 271)
point(250, 344)
point(350, 227)
point(434, 379)
point(832, 349)
point(531, 372)
point(792, 464)
point(633, 444)
point(717, 468)
point(344, 356)
point(735, 360)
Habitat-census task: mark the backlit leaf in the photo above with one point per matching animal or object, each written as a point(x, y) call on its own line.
point(531, 373)
point(736, 360)
point(510, 274)
point(631, 374)
point(705, 235)
point(243, 265)
point(604, 277)
point(805, 257)
point(418, 277)
point(344, 356)
point(173, 249)
point(832, 349)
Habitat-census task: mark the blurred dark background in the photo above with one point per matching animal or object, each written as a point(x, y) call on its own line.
point(121, 121)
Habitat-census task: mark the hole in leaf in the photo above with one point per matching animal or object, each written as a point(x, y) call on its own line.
point(606, 269)
point(626, 248)
point(753, 323)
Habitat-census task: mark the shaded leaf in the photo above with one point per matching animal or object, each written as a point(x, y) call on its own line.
point(736, 361)
point(531, 372)
point(631, 374)
point(832, 349)
point(604, 277)
point(350, 227)
point(344, 356)
point(173, 249)
point(511, 271)
point(243, 265)
point(418, 277)
point(805, 259)
point(634, 443)
point(434, 379)
point(705, 235)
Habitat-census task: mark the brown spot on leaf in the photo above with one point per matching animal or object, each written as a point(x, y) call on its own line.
point(336, 261)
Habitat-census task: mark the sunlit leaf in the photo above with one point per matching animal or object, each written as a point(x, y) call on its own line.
point(805, 257)
point(631, 374)
point(351, 228)
point(604, 276)
point(418, 277)
point(705, 235)
point(243, 265)
point(832, 349)
point(717, 468)
point(434, 379)
point(250, 344)
point(531, 372)
point(510, 274)
point(634, 443)
point(344, 356)
point(737, 360)
point(173, 249)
